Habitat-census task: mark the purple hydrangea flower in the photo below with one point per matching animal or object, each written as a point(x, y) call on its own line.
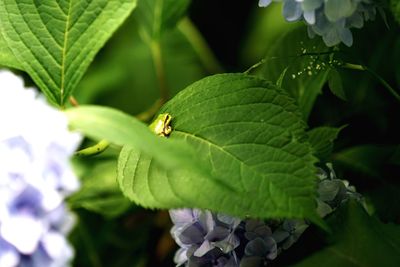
point(35, 177)
point(332, 192)
point(331, 19)
point(198, 232)
point(261, 246)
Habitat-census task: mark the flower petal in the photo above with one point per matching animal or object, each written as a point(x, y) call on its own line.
point(23, 232)
point(292, 10)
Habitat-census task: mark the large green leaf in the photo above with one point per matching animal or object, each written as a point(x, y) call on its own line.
point(155, 16)
point(7, 57)
point(302, 64)
point(55, 41)
point(358, 240)
point(321, 139)
point(250, 133)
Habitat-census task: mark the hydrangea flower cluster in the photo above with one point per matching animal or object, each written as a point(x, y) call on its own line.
point(35, 178)
point(216, 240)
point(331, 19)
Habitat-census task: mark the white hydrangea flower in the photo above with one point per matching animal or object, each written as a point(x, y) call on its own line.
point(35, 177)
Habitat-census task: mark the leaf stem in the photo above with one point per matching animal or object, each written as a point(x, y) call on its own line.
point(353, 66)
point(391, 90)
point(156, 53)
point(94, 150)
point(200, 46)
point(73, 101)
point(255, 66)
point(149, 113)
point(265, 60)
point(102, 145)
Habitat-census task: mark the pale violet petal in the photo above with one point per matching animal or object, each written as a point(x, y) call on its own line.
point(23, 232)
point(182, 216)
point(331, 38)
point(9, 257)
point(309, 17)
point(180, 256)
point(338, 9)
point(264, 3)
point(346, 37)
point(203, 249)
point(292, 10)
point(311, 5)
point(56, 246)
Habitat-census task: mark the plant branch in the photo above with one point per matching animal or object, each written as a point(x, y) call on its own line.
point(391, 90)
point(200, 46)
point(156, 53)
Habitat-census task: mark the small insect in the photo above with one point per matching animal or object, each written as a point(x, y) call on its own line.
point(161, 125)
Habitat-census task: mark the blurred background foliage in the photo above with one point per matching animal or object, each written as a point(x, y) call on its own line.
point(217, 36)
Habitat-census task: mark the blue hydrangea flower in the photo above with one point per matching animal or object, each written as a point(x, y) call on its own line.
point(261, 246)
point(332, 192)
point(331, 19)
point(35, 177)
point(198, 232)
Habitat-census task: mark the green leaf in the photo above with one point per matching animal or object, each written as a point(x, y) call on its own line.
point(395, 7)
point(367, 159)
point(302, 66)
point(99, 190)
point(336, 84)
point(156, 16)
point(358, 240)
point(7, 57)
point(321, 139)
point(55, 41)
point(251, 135)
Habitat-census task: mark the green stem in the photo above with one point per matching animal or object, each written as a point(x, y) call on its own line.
point(353, 66)
point(90, 249)
point(156, 53)
point(200, 46)
point(94, 150)
point(391, 90)
point(265, 60)
point(149, 113)
point(102, 145)
point(255, 66)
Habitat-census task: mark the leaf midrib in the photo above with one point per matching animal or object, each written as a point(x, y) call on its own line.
point(64, 53)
